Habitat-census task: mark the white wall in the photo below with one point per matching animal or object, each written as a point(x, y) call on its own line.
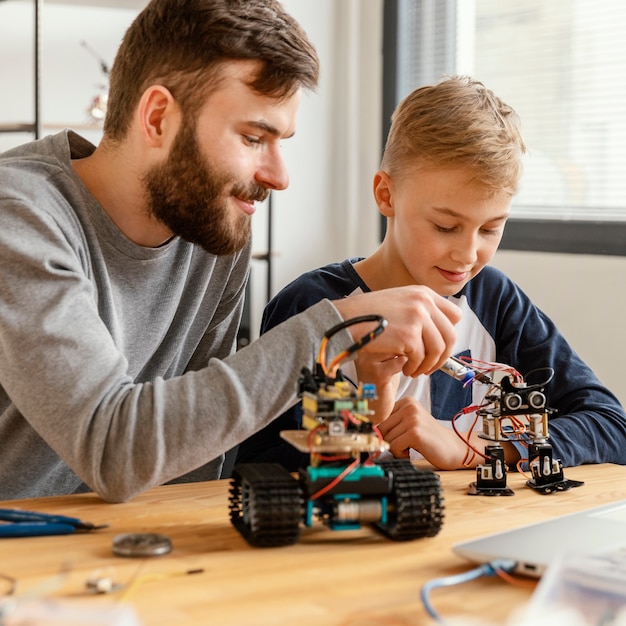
point(327, 213)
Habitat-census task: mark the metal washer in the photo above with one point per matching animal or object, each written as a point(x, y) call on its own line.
point(141, 544)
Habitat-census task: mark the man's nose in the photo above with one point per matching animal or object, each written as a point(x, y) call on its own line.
point(272, 172)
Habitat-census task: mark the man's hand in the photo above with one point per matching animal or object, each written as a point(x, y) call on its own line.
point(384, 371)
point(420, 325)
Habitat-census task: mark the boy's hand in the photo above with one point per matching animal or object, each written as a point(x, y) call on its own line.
point(410, 425)
point(420, 325)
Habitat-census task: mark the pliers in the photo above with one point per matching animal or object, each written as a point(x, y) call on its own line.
point(21, 523)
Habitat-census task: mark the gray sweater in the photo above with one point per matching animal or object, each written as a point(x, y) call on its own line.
point(117, 370)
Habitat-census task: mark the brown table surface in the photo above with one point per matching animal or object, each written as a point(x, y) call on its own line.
point(347, 578)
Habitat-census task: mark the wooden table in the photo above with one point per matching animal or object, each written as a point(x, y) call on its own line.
point(342, 578)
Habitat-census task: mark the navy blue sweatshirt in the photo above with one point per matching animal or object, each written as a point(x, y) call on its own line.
point(499, 324)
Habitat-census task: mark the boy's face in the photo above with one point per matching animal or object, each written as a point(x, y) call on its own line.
point(443, 227)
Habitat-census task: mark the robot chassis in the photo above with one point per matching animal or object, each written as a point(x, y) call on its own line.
point(345, 485)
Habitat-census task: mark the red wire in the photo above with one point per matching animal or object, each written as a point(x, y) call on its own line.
point(348, 469)
point(468, 409)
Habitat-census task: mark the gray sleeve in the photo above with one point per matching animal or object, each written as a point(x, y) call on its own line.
point(65, 388)
point(145, 434)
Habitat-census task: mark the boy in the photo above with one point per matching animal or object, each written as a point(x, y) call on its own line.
point(451, 166)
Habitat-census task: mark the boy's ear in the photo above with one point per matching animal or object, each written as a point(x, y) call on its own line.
point(158, 116)
point(383, 193)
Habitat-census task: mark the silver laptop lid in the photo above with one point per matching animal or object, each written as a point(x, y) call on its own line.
point(534, 546)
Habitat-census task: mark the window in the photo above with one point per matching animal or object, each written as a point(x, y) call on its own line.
point(560, 65)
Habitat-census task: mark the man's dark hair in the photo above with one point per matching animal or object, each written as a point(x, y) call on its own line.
point(181, 44)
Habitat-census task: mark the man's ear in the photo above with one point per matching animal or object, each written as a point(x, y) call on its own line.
point(158, 116)
point(383, 193)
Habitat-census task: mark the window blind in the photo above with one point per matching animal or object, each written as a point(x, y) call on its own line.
point(561, 64)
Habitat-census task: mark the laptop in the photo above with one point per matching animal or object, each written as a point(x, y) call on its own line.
point(535, 546)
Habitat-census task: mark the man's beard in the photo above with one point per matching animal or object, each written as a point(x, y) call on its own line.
point(191, 198)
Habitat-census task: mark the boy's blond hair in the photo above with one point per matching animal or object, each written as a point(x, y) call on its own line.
point(457, 122)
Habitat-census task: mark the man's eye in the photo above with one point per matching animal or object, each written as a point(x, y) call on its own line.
point(251, 139)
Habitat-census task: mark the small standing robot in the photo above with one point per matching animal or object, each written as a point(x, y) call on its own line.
point(513, 410)
point(345, 485)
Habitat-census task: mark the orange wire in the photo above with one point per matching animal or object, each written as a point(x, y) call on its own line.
point(321, 355)
point(469, 409)
point(334, 364)
point(513, 580)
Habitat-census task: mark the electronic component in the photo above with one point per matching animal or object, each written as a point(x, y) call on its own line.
point(457, 369)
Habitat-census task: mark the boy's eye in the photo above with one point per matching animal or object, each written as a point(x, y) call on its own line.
point(443, 229)
point(490, 231)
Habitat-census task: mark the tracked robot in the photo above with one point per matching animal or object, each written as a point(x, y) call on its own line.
point(345, 485)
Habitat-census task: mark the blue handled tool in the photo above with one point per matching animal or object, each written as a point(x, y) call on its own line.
point(19, 523)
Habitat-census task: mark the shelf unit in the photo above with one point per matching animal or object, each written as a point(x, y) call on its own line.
point(33, 127)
